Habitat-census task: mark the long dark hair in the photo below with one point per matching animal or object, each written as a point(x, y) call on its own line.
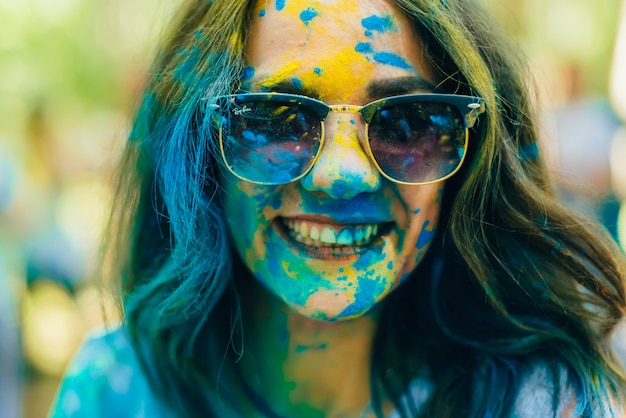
point(512, 282)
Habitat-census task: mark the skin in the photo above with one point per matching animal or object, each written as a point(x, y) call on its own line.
point(310, 315)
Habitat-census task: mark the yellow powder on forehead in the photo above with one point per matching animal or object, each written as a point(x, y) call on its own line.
point(339, 76)
point(283, 74)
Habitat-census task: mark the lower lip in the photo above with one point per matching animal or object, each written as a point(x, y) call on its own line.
point(342, 253)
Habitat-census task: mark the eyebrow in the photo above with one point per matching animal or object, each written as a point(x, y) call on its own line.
point(395, 86)
point(288, 86)
point(375, 89)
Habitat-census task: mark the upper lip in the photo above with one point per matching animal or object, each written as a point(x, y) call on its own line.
point(343, 219)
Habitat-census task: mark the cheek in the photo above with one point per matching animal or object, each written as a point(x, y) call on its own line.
point(422, 218)
point(245, 207)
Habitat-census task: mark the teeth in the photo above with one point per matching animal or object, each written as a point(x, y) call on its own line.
point(345, 237)
point(328, 236)
point(311, 235)
point(314, 233)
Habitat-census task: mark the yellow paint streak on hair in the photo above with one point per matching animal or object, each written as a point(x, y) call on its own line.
point(235, 41)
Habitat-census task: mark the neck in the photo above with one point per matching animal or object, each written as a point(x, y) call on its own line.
point(304, 367)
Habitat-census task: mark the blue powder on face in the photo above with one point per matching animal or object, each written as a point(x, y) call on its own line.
point(377, 23)
point(317, 71)
point(297, 83)
point(352, 121)
point(363, 47)
point(280, 5)
point(390, 265)
point(391, 59)
point(416, 211)
point(262, 12)
point(307, 15)
point(363, 298)
point(368, 33)
point(248, 73)
point(425, 236)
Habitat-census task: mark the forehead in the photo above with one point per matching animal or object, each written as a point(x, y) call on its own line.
point(331, 47)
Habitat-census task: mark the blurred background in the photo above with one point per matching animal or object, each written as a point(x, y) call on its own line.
point(71, 72)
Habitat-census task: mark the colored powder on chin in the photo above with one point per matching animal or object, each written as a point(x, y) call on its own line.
point(307, 15)
point(391, 59)
point(280, 5)
point(364, 299)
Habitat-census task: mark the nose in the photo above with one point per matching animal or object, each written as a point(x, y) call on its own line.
point(343, 169)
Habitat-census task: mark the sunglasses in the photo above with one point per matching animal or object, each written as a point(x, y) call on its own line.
point(413, 139)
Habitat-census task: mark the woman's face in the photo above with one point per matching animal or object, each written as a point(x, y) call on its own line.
point(341, 52)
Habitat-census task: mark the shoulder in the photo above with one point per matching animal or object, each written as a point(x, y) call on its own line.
point(546, 393)
point(539, 394)
point(105, 380)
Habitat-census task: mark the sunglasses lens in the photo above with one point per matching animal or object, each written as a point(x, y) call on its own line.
point(270, 142)
point(418, 142)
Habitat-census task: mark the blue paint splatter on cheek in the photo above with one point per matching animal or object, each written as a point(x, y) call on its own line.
point(368, 33)
point(280, 5)
point(273, 265)
point(307, 15)
point(377, 23)
point(416, 211)
point(363, 47)
point(352, 121)
point(262, 12)
point(391, 59)
point(390, 265)
point(426, 236)
point(317, 71)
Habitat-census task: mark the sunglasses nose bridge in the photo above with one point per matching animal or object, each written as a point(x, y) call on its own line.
point(343, 168)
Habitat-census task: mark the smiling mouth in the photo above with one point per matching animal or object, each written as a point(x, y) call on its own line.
point(321, 235)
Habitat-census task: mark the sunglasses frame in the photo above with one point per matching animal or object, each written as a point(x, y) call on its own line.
point(470, 107)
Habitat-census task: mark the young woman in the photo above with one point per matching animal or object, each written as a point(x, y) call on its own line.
point(339, 208)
